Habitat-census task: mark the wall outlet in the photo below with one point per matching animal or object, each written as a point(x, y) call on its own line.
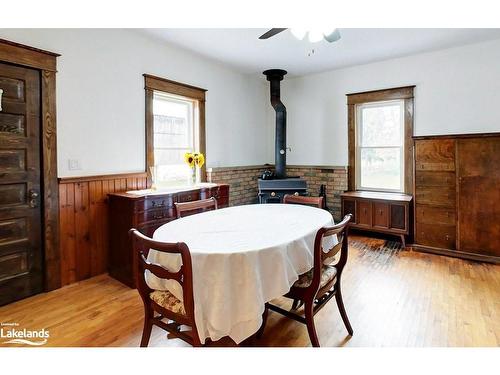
point(74, 164)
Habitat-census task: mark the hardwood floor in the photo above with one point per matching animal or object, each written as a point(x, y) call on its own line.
point(392, 297)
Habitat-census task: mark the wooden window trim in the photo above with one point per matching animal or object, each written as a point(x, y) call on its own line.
point(46, 63)
point(153, 83)
point(398, 93)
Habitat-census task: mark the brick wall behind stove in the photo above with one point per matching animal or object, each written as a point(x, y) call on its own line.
point(334, 178)
point(243, 183)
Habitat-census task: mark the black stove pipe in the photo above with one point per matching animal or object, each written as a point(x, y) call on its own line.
point(274, 76)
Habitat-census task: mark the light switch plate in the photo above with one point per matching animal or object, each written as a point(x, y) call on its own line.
point(74, 164)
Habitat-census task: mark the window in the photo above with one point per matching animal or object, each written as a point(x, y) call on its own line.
point(380, 146)
point(175, 124)
point(380, 143)
point(174, 134)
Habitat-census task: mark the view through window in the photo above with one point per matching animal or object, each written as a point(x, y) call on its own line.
point(174, 134)
point(379, 151)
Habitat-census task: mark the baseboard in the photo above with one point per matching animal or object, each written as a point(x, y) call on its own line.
point(456, 254)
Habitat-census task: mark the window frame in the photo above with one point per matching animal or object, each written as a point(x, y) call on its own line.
point(172, 88)
point(402, 93)
point(377, 104)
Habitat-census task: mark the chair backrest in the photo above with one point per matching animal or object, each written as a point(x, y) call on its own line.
point(306, 201)
point(193, 207)
point(184, 276)
point(340, 230)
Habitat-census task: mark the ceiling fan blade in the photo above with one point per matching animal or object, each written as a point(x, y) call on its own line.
point(332, 37)
point(271, 33)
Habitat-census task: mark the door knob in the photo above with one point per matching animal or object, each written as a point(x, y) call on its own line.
point(34, 198)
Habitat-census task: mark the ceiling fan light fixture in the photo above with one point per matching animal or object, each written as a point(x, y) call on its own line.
point(298, 33)
point(332, 35)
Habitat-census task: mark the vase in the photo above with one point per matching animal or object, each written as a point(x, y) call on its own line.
point(198, 176)
point(192, 177)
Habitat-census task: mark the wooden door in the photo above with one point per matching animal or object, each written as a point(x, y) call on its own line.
point(21, 270)
point(364, 213)
point(381, 214)
point(478, 164)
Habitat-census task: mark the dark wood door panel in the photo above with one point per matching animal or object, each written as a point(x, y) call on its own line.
point(479, 195)
point(349, 207)
point(479, 215)
point(364, 212)
point(381, 214)
point(20, 207)
point(398, 216)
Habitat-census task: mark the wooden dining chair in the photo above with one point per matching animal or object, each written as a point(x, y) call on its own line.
point(317, 286)
point(195, 206)
point(161, 305)
point(306, 201)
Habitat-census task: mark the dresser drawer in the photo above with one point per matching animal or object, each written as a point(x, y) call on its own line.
point(435, 215)
point(156, 214)
point(188, 196)
point(434, 178)
point(436, 196)
point(158, 201)
point(436, 235)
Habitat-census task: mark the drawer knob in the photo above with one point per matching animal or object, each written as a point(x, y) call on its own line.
point(381, 212)
point(296, 193)
point(447, 237)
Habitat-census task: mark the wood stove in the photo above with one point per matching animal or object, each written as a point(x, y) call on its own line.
point(273, 191)
point(275, 186)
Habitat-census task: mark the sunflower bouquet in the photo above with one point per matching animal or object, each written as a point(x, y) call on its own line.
point(194, 159)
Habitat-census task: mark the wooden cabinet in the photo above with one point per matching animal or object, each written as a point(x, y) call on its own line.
point(457, 195)
point(146, 213)
point(379, 212)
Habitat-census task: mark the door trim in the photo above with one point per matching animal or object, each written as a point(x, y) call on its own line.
point(46, 63)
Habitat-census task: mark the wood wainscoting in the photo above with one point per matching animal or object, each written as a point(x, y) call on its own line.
point(83, 208)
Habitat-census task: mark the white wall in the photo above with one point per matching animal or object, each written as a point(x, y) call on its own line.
point(457, 91)
point(100, 99)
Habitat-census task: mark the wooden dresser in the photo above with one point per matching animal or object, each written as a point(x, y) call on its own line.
point(146, 212)
point(388, 213)
point(457, 195)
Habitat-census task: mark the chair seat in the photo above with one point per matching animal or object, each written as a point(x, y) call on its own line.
point(168, 301)
point(328, 273)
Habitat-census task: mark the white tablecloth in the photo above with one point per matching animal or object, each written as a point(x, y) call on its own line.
point(242, 257)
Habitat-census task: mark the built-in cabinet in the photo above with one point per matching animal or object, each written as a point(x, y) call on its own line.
point(457, 195)
point(146, 212)
point(379, 212)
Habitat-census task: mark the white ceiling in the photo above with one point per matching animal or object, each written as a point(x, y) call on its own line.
point(241, 48)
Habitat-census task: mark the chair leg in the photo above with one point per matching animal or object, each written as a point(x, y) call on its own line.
point(260, 332)
point(295, 304)
point(343, 314)
point(146, 331)
point(311, 329)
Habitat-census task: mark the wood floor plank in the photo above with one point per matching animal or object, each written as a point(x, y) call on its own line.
point(393, 298)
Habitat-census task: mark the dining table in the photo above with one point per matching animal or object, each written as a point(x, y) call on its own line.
point(242, 257)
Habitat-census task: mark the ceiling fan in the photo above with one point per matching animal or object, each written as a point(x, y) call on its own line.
point(314, 35)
